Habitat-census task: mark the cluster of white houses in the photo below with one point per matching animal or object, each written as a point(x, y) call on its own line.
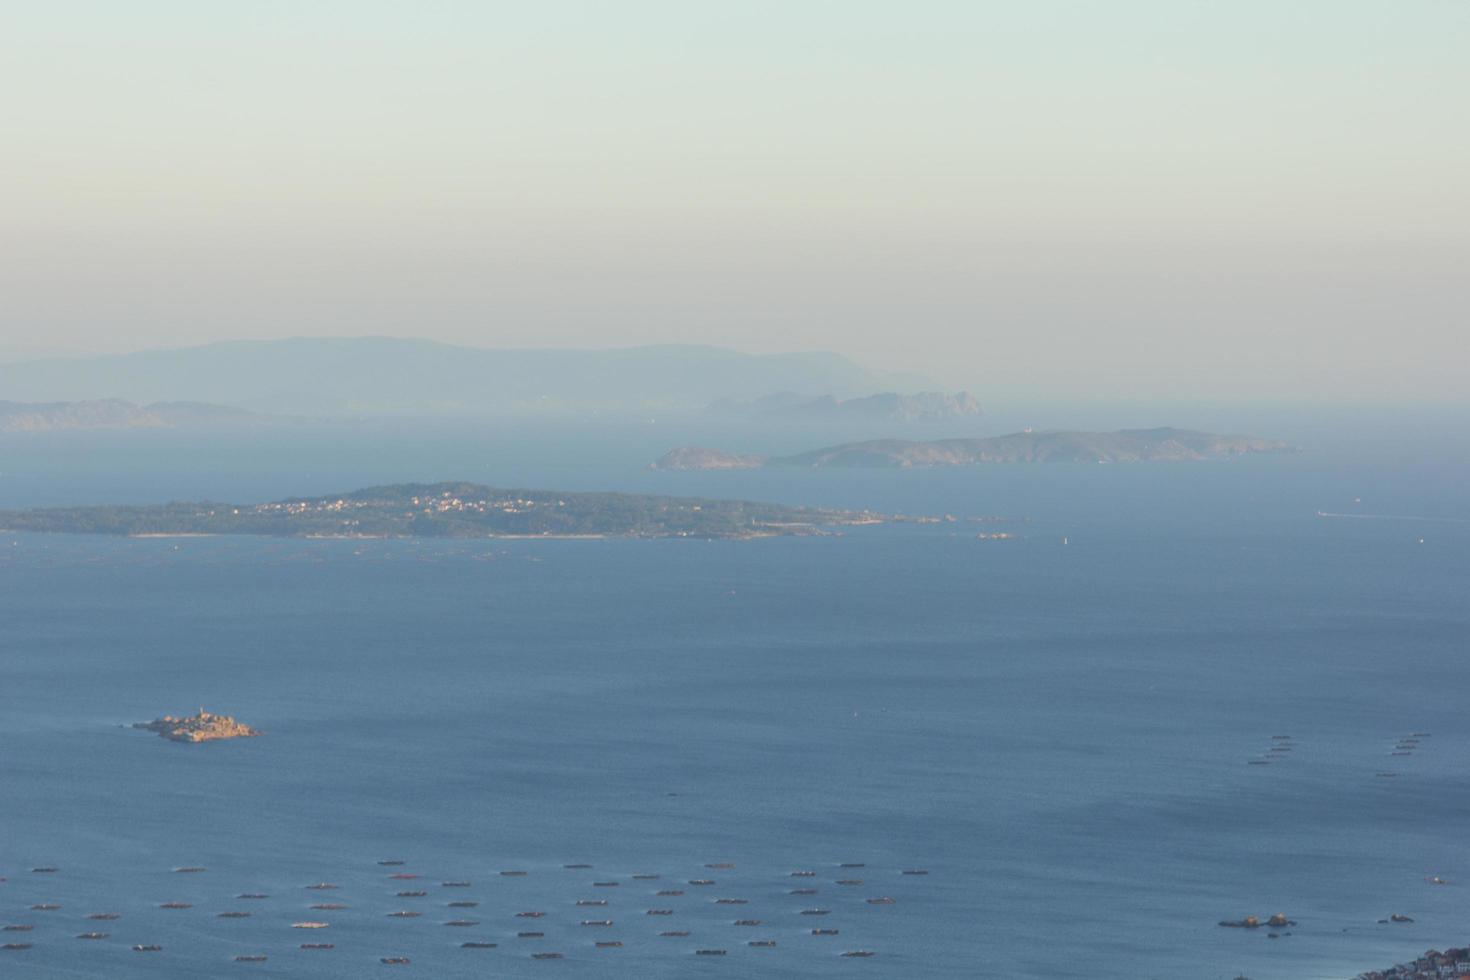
point(1433, 965)
point(446, 503)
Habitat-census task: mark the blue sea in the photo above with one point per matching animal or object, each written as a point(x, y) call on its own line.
point(1057, 727)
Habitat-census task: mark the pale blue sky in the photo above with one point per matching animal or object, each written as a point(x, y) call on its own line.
point(1142, 196)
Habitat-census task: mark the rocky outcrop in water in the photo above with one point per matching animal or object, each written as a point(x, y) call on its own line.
point(203, 727)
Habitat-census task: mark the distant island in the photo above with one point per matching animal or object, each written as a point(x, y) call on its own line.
point(203, 727)
point(1123, 446)
point(788, 406)
point(698, 458)
point(449, 510)
point(114, 413)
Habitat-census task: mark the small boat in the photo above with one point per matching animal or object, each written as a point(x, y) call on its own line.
point(461, 922)
point(46, 870)
point(762, 943)
point(802, 891)
point(858, 952)
point(608, 944)
point(92, 935)
point(577, 867)
point(701, 881)
point(104, 916)
point(850, 881)
point(669, 892)
point(731, 901)
point(546, 956)
point(604, 884)
point(1258, 762)
point(232, 915)
point(709, 952)
point(391, 864)
point(189, 870)
point(885, 900)
point(645, 877)
point(404, 914)
point(402, 876)
point(45, 907)
point(309, 925)
point(529, 915)
point(329, 906)
point(321, 886)
point(317, 946)
point(474, 944)
point(15, 945)
point(585, 902)
point(254, 895)
point(454, 884)
point(659, 912)
point(858, 865)
point(461, 905)
point(915, 871)
point(530, 935)
point(722, 866)
point(747, 922)
point(824, 932)
point(146, 948)
point(675, 933)
point(597, 922)
point(395, 960)
point(513, 874)
point(411, 894)
point(17, 928)
point(803, 874)
point(1401, 753)
point(250, 958)
point(816, 911)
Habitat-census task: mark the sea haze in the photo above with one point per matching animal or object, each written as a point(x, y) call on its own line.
point(1057, 725)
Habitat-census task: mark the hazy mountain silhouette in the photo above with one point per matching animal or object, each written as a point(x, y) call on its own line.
point(384, 375)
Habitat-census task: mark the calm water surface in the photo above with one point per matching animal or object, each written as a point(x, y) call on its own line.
point(1059, 733)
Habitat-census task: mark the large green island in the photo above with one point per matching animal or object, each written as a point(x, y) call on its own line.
point(449, 510)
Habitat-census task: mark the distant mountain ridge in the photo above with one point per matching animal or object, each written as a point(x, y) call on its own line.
point(1123, 446)
point(111, 413)
point(386, 376)
point(885, 406)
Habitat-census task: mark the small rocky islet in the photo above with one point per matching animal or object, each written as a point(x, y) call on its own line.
point(202, 727)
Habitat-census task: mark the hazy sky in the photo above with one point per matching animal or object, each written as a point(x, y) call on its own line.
point(1141, 196)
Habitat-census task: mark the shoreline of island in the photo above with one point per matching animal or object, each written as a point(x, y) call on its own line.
point(1163, 444)
point(454, 511)
point(1451, 963)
